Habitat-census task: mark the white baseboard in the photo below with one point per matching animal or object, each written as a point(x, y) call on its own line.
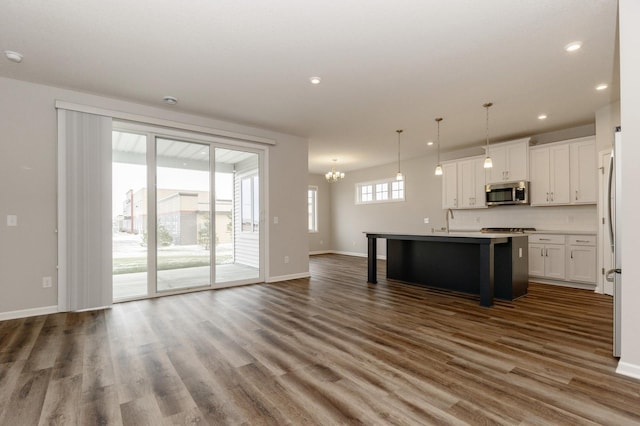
point(627, 369)
point(288, 277)
point(24, 313)
point(357, 254)
point(572, 284)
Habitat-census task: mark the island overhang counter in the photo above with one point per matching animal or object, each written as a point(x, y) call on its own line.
point(478, 263)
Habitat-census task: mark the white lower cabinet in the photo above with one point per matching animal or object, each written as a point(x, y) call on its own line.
point(547, 256)
point(559, 257)
point(582, 258)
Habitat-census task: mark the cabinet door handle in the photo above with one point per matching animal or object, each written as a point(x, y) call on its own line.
point(455, 202)
point(546, 252)
point(545, 239)
point(572, 254)
point(576, 195)
point(542, 252)
point(547, 197)
point(552, 196)
point(582, 241)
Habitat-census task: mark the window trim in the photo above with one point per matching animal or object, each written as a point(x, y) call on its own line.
point(389, 182)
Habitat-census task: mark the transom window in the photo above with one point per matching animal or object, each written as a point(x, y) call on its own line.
point(382, 191)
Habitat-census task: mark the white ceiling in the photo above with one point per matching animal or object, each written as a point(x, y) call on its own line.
point(385, 65)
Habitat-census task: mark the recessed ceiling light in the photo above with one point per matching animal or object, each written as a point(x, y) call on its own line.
point(602, 86)
point(573, 46)
point(13, 56)
point(315, 80)
point(542, 117)
point(170, 100)
point(429, 143)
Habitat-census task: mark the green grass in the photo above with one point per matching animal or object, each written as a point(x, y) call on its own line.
point(139, 264)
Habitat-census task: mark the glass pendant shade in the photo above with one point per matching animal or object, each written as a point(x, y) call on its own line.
point(438, 170)
point(488, 163)
point(399, 176)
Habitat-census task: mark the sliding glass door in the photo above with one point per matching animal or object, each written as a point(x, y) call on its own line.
point(238, 207)
point(129, 208)
point(202, 225)
point(183, 193)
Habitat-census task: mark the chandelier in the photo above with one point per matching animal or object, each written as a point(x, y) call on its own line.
point(334, 175)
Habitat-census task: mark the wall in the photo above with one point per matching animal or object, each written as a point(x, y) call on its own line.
point(555, 218)
point(320, 242)
point(607, 119)
point(629, 12)
point(28, 189)
point(422, 200)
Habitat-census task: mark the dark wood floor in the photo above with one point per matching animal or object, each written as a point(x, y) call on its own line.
point(326, 350)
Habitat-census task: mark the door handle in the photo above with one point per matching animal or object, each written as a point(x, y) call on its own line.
point(610, 272)
point(610, 209)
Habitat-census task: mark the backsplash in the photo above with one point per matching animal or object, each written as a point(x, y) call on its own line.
point(560, 218)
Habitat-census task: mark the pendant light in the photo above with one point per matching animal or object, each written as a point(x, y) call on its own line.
point(438, 166)
point(487, 161)
point(399, 175)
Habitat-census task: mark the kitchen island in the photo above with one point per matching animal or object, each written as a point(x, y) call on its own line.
point(478, 263)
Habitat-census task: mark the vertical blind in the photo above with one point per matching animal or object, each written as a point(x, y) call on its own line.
point(84, 211)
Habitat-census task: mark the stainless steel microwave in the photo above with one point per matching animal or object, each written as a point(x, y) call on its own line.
point(507, 193)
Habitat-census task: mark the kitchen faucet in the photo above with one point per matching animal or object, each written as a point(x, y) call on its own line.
point(446, 215)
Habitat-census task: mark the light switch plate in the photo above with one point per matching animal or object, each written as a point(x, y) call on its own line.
point(12, 220)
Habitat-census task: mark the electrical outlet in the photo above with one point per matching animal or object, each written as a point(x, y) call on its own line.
point(46, 282)
point(275, 220)
point(426, 220)
point(286, 259)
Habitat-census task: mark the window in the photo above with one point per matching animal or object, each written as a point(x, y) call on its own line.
point(397, 190)
point(382, 191)
point(250, 207)
point(312, 203)
point(366, 193)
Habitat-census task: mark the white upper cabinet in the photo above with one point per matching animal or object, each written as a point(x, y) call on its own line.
point(510, 161)
point(471, 181)
point(463, 184)
point(549, 169)
point(584, 172)
point(563, 173)
point(450, 185)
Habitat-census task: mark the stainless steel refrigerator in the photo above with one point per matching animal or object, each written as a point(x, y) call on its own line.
point(614, 200)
